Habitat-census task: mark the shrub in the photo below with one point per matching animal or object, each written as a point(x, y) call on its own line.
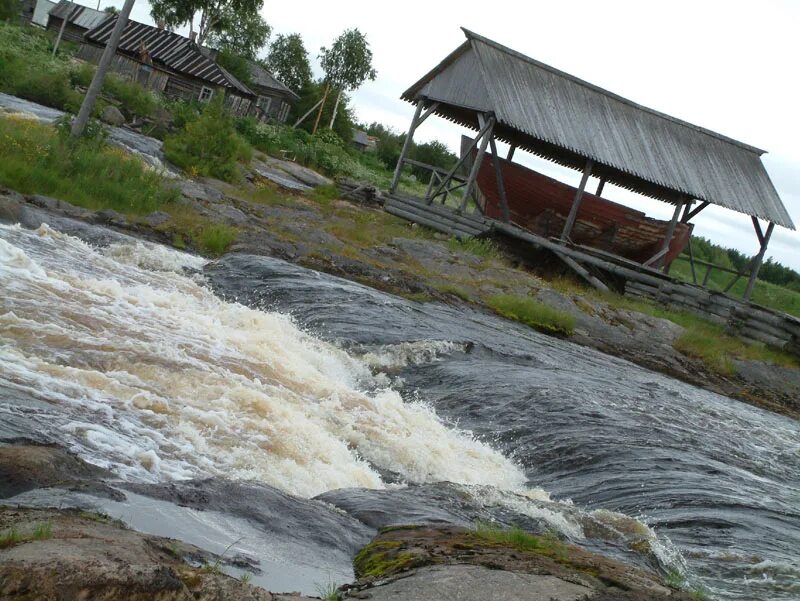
point(215, 238)
point(34, 159)
point(533, 313)
point(135, 99)
point(209, 145)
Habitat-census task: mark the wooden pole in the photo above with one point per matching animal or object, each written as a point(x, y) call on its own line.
point(573, 212)
point(308, 112)
point(501, 186)
point(686, 208)
point(759, 258)
point(79, 125)
point(335, 108)
point(321, 106)
point(511, 150)
point(446, 181)
point(473, 173)
point(406, 147)
point(600, 185)
point(691, 261)
point(60, 33)
point(670, 233)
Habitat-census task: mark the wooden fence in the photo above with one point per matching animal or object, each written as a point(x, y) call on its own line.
point(748, 320)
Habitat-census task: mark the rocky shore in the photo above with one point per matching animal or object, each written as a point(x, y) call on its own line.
point(78, 553)
point(357, 240)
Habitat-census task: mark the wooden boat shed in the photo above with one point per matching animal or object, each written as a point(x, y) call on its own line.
point(504, 95)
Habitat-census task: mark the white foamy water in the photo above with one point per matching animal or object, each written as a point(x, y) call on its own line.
point(153, 376)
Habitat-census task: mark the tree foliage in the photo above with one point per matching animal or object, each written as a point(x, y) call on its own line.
point(312, 93)
point(8, 9)
point(348, 62)
point(213, 16)
point(288, 61)
point(390, 143)
point(241, 34)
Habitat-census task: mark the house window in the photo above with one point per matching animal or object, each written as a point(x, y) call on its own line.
point(264, 103)
point(205, 94)
point(284, 111)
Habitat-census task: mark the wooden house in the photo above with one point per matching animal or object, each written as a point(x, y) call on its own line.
point(75, 19)
point(168, 63)
point(274, 99)
point(35, 12)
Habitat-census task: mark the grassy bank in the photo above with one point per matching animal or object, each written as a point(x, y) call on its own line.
point(38, 159)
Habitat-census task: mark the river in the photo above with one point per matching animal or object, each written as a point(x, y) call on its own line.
point(167, 369)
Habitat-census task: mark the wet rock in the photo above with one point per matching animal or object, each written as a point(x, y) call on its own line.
point(60, 555)
point(476, 583)
point(272, 509)
point(112, 115)
point(416, 562)
point(24, 467)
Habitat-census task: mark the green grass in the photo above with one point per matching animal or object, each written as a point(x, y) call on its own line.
point(533, 313)
point(379, 558)
point(454, 290)
point(476, 246)
point(13, 536)
point(521, 540)
point(329, 591)
point(246, 578)
point(215, 238)
point(35, 159)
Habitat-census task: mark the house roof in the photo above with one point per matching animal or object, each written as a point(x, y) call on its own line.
point(41, 12)
point(568, 120)
point(259, 76)
point(174, 51)
point(360, 137)
point(79, 15)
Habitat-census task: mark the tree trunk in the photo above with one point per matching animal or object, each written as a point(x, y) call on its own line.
point(335, 109)
point(321, 106)
point(79, 125)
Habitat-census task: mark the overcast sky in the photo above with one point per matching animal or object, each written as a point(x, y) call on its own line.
point(728, 66)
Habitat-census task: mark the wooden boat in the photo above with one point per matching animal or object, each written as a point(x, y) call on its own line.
point(541, 204)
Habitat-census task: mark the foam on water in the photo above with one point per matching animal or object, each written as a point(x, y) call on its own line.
point(161, 379)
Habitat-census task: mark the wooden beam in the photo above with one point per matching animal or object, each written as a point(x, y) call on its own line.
point(670, 232)
point(460, 161)
point(511, 150)
point(691, 214)
point(406, 147)
point(691, 261)
point(61, 32)
point(486, 126)
point(759, 258)
point(582, 271)
point(759, 233)
point(308, 112)
point(501, 186)
point(573, 213)
point(600, 185)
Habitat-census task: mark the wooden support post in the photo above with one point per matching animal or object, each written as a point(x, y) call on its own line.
point(670, 233)
point(691, 214)
point(573, 212)
point(434, 178)
point(691, 261)
point(501, 185)
point(322, 105)
point(61, 32)
point(600, 186)
point(486, 127)
point(686, 208)
point(511, 150)
point(707, 275)
point(759, 258)
point(446, 181)
point(406, 147)
point(582, 271)
point(308, 112)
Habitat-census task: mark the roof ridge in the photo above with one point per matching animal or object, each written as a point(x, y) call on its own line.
point(471, 35)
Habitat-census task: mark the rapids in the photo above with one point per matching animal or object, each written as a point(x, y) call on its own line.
point(164, 368)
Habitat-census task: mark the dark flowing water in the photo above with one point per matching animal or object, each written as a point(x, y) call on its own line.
point(373, 403)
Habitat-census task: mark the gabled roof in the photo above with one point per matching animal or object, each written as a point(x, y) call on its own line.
point(259, 76)
point(568, 120)
point(174, 51)
point(79, 15)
